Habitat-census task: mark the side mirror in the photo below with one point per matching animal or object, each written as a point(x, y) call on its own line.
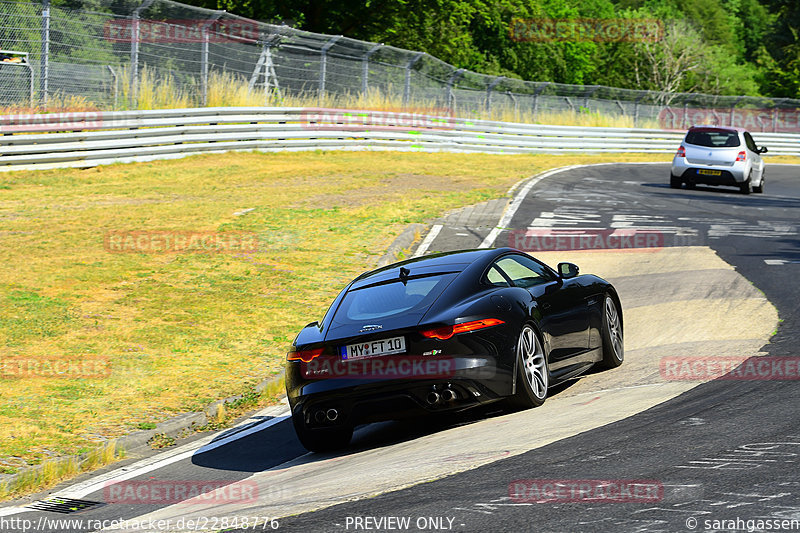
point(762, 150)
point(568, 270)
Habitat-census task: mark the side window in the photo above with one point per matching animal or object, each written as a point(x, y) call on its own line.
point(751, 144)
point(524, 272)
point(496, 278)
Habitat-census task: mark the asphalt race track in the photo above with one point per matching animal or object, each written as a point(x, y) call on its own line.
point(721, 451)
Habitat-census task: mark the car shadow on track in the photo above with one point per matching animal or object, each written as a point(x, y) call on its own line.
point(277, 444)
point(255, 452)
point(697, 188)
point(724, 194)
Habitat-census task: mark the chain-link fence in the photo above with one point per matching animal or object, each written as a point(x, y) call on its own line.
point(142, 52)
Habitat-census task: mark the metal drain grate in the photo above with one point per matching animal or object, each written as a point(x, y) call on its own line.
point(63, 505)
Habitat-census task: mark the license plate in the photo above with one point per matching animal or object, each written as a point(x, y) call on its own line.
point(373, 348)
point(709, 172)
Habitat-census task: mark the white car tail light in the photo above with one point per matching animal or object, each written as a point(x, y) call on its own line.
point(681, 152)
point(742, 156)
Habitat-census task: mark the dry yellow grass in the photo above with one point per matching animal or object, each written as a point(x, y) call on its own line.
point(159, 90)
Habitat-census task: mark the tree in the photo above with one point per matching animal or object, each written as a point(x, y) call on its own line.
point(783, 65)
point(664, 65)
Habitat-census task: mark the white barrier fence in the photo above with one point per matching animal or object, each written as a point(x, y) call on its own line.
point(87, 139)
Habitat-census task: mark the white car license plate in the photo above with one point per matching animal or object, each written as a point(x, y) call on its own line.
point(374, 348)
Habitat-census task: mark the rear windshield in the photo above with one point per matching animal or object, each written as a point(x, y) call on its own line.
point(713, 138)
point(414, 296)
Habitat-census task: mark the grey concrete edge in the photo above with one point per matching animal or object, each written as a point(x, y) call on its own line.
point(178, 426)
point(402, 242)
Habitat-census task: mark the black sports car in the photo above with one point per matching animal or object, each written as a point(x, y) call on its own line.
point(445, 333)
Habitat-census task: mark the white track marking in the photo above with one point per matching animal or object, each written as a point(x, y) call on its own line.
point(6, 511)
point(516, 202)
point(138, 469)
point(423, 247)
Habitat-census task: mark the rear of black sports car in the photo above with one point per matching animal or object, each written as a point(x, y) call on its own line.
point(416, 338)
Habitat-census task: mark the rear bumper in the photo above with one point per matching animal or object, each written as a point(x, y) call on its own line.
point(728, 175)
point(691, 175)
point(473, 380)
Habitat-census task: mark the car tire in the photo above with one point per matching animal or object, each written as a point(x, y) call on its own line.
point(674, 182)
point(611, 334)
point(322, 439)
point(760, 187)
point(746, 187)
point(533, 375)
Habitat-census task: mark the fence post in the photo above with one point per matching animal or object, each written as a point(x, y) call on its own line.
point(450, 97)
point(589, 92)
point(536, 94)
point(323, 65)
point(204, 54)
point(672, 117)
point(44, 63)
point(134, 88)
point(489, 89)
point(30, 84)
point(270, 76)
point(409, 66)
point(636, 111)
point(775, 114)
point(516, 109)
point(365, 64)
point(116, 85)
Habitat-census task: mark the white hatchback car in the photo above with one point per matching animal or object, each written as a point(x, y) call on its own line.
point(719, 155)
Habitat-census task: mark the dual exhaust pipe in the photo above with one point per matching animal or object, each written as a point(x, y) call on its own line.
point(434, 398)
point(331, 415)
point(446, 396)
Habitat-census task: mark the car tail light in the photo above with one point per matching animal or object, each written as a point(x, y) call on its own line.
point(304, 355)
point(742, 156)
point(445, 332)
point(681, 152)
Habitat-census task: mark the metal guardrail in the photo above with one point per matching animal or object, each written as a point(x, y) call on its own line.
point(94, 138)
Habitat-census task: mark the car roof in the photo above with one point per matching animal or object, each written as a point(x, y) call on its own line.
point(455, 261)
point(716, 127)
